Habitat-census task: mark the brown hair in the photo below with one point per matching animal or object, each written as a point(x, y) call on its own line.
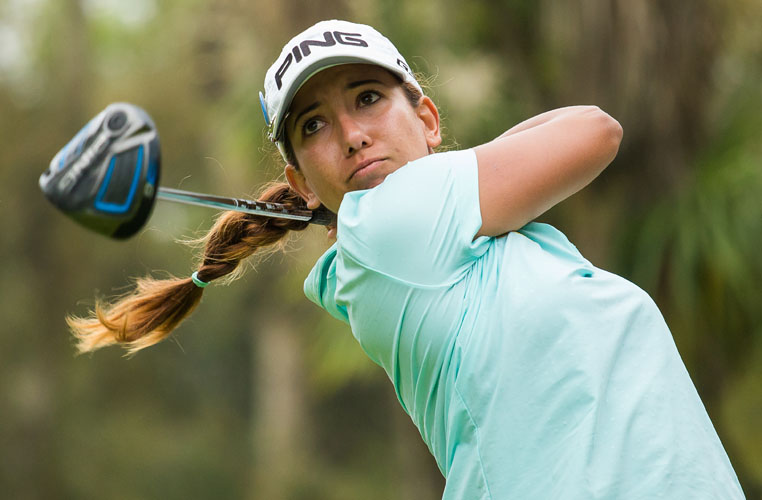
point(156, 307)
point(148, 314)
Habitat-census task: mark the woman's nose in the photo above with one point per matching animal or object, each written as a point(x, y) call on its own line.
point(354, 135)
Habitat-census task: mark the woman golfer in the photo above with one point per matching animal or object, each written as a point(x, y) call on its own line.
point(530, 373)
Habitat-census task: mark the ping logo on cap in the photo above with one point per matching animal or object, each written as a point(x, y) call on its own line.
point(302, 49)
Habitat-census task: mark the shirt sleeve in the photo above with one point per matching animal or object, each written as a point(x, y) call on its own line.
point(320, 285)
point(417, 226)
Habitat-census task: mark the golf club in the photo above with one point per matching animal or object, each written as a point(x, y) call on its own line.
point(106, 178)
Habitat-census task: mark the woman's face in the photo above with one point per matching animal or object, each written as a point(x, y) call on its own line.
point(349, 127)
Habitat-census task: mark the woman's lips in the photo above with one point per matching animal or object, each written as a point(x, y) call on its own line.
point(366, 168)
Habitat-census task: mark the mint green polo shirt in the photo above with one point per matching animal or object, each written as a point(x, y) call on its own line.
point(529, 372)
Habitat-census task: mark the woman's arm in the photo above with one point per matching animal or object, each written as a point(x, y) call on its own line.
point(539, 120)
point(540, 162)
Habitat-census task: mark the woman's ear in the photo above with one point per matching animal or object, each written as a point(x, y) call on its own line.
point(299, 183)
point(429, 114)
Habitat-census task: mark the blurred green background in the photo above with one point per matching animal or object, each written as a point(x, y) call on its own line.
point(259, 395)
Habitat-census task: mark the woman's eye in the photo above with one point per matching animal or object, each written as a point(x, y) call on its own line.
point(311, 126)
point(368, 97)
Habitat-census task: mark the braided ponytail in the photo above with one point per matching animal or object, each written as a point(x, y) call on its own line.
point(156, 307)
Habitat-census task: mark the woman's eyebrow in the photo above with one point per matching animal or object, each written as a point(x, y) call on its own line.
point(360, 83)
point(306, 110)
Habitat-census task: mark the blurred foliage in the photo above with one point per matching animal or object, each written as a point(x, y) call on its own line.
point(259, 395)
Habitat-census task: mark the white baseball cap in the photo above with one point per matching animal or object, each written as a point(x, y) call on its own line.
point(326, 44)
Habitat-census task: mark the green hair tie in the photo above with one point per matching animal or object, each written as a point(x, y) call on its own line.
point(196, 281)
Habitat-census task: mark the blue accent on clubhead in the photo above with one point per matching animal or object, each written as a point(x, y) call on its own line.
point(152, 171)
point(64, 153)
point(81, 137)
point(79, 146)
point(115, 208)
point(264, 108)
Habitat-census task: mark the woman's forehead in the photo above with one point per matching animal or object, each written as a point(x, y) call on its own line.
point(345, 76)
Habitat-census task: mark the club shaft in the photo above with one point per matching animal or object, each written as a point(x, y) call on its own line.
point(263, 208)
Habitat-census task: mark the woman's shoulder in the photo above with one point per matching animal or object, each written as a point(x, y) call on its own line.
point(407, 191)
point(426, 213)
point(429, 171)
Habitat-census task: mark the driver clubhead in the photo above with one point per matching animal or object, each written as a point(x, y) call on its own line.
point(106, 177)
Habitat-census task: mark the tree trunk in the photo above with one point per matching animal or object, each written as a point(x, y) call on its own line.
point(281, 432)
